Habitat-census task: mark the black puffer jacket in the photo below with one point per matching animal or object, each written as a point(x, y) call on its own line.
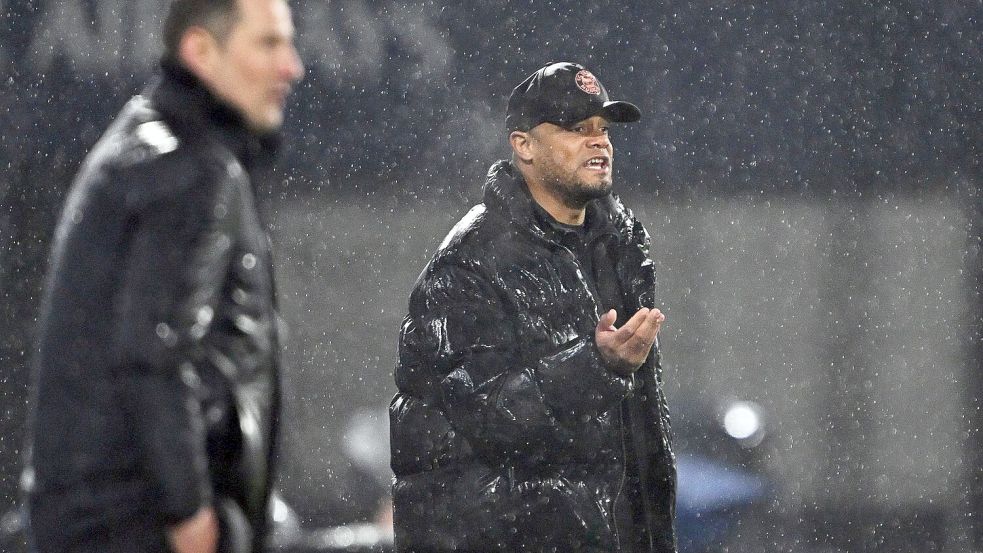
point(509, 433)
point(156, 386)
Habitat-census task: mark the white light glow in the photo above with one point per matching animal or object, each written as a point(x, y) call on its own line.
point(742, 421)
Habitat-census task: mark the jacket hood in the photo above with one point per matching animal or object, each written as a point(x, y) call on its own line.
point(505, 191)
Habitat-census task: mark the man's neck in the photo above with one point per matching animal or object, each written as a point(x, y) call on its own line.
point(553, 205)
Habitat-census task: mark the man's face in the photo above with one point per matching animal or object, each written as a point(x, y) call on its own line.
point(254, 68)
point(574, 163)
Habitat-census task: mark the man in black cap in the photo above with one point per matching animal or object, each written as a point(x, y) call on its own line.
point(530, 414)
point(156, 385)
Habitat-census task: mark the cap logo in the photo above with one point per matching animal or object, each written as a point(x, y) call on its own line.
point(587, 82)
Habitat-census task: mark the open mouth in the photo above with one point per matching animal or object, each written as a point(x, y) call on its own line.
point(598, 163)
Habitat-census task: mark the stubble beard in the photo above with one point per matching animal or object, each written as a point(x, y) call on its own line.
point(573, 192)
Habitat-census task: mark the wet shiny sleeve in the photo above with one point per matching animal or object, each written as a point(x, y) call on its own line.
point(459, 344)
point(576, 379)
point(175, 266)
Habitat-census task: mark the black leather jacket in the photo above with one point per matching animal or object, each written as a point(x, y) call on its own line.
point(156, 385)
point(509, 432)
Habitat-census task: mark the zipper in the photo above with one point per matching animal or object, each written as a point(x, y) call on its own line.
point(621, 413)
point(636, 429)
point(624, 476)
point(583, 280)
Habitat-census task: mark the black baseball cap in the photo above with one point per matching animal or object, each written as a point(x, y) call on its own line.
point(563, 93)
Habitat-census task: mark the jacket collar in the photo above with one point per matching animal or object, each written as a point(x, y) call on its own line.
point(506, 191)
point(595, 226)
point(190, 108)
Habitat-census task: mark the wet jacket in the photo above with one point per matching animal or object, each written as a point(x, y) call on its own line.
point(156, 387)
point(509, 432)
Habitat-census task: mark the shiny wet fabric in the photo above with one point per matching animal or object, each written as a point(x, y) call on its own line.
point(508, 431)
point(156, 387)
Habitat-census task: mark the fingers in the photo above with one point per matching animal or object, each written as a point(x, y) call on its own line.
point(643, 326)
point(626, 348)
point(628, 329)
point(607, 321)
point(197, 534)
point(640, 341)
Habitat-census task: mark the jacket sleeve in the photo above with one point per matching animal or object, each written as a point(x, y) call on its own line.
point(174, 268)
point(459, 346)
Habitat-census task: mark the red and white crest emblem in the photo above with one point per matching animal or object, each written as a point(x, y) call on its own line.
point(587, 82)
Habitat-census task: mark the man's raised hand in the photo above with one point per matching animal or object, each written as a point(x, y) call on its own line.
point(625, 349)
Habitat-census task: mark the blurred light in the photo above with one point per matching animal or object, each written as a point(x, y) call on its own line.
point(281, 511)
point(742, 420)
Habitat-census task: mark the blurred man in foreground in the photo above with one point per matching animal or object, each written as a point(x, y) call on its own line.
point(156, 382)
point(530, 414)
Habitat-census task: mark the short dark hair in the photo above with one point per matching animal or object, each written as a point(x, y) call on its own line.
point(216, 16)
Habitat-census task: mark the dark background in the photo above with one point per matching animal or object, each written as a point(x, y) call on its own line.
point(810, 173)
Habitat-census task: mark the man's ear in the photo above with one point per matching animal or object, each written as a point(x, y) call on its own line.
point(522, 145)
point(198, 51)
